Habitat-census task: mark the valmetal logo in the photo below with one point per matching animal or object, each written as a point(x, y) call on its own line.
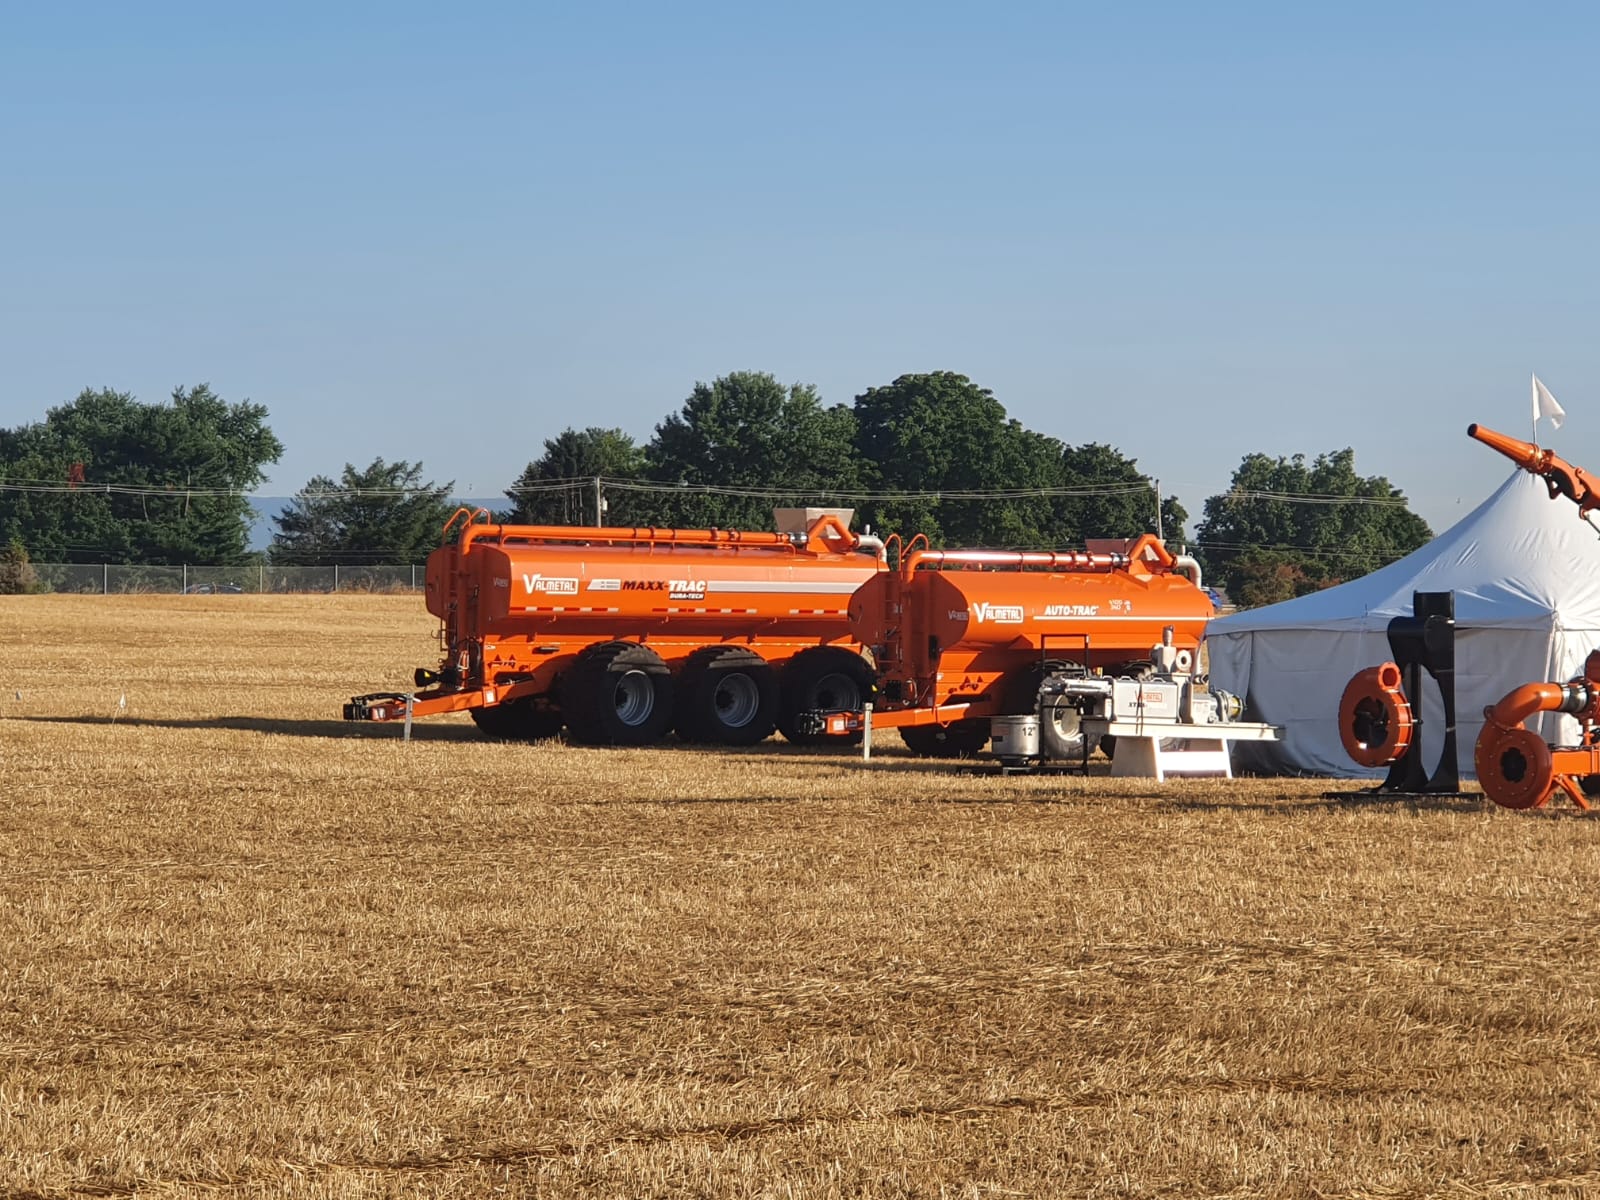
point(550, 587)
point(998, 614)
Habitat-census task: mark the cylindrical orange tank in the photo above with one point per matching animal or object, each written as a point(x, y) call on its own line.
point(989, 617)
point(666, 591)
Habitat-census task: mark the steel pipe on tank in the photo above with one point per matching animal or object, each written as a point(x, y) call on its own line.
point(1187, 564)
point(648, 535)
point(1076, 560)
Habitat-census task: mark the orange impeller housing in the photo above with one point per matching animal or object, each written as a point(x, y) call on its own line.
point(1375, 719)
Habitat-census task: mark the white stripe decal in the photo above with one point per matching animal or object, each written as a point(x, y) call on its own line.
point(1141, 617)
point(779, 585)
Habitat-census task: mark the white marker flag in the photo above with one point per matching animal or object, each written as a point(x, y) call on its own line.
point(1544, 405)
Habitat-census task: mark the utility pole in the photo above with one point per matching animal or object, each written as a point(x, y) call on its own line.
point(599, 504)
point(1159, 532)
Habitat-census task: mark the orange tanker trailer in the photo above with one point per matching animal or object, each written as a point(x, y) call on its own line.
point(962, 636)
point(623, 634)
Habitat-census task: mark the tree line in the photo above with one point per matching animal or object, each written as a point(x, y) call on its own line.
point(109, 479)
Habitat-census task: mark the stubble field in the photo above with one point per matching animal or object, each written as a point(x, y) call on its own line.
point(246, 950)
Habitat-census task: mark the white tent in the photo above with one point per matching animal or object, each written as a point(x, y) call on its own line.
point(1526, 575)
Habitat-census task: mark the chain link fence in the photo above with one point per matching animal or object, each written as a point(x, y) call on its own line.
point(108, 579)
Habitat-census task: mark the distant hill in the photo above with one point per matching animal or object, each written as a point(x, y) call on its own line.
point(267, 507)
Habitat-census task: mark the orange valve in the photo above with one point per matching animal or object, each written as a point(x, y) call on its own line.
point(1514, 766)
point(1375, 721)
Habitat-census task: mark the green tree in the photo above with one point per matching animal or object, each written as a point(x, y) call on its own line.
point(1268, 577)
point(385, 513)
point(1285, 523)
point(558, 487)
point(137, 483)
point(940, 434)
point(1123, 501)
point(747, 430)
point(17, 576)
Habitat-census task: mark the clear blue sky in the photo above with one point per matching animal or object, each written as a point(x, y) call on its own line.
point(448, 232)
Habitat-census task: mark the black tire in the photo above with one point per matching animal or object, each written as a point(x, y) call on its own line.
point(617, 694)
point(1142, 669)
point(726, 696)
point(959, 739)
point(822, 679)
point(1060, 729)
point(518, 721)
point(1060, 722)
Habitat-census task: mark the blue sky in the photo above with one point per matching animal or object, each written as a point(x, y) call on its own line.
point(447, 233)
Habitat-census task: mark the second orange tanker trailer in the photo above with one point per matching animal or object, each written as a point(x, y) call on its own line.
point(964, 636)
point(622, 634)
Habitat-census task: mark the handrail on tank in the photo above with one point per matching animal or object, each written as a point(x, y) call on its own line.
point(813, 539)
point(1560, 476)
point(1146, 549)
point(456, 516)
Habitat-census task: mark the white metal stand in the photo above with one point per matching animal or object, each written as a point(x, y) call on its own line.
point(1189, 750)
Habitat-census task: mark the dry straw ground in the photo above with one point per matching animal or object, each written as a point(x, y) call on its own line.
point(248, 951)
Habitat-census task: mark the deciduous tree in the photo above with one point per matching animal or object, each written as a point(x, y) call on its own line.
point(125, 482)
point(1286, 524)
point(746, 430)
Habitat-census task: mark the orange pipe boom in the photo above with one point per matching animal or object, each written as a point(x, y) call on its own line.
point(1562, 478)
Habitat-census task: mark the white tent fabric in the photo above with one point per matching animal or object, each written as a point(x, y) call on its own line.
point(1526, 576)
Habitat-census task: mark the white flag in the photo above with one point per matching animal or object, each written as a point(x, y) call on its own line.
point(1544, 405)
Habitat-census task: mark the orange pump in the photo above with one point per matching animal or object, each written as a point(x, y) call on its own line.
point(1518, 768)
point(623, 634)
point(961, 636)
point(1375, 719)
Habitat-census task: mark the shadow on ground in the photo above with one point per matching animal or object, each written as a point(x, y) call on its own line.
point(323, 729)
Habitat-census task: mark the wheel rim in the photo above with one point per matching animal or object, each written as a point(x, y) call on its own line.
point(736, 700)
point(1065, 720)
point(836, 692)
point(634, 697)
